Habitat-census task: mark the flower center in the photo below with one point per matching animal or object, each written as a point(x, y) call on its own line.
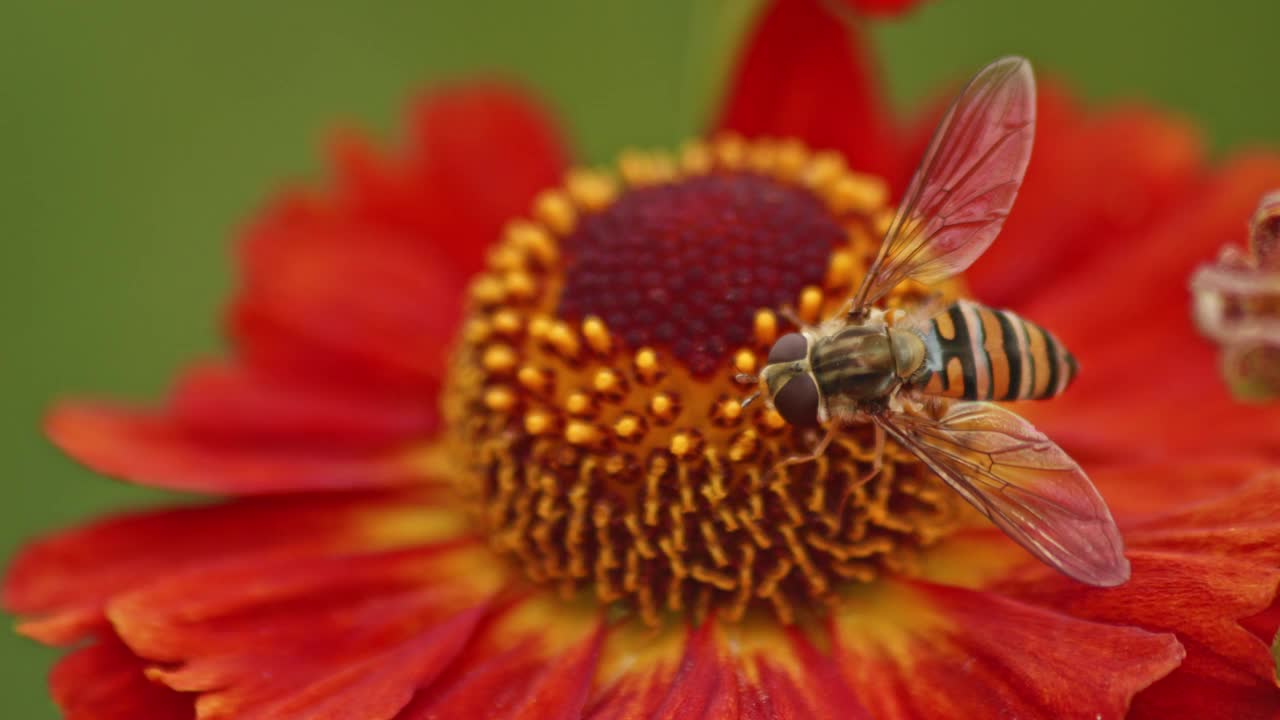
point(593, 405)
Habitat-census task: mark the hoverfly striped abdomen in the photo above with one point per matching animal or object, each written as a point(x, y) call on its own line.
point(979, 353)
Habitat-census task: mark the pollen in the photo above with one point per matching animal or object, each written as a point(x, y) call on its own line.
point(594, 401)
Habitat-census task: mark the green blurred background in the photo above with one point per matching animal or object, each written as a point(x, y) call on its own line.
point(135, 135)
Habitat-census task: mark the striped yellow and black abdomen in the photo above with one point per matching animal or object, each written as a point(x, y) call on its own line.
point(977, 353)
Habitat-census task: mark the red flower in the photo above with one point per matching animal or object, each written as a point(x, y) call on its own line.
point(411, 529)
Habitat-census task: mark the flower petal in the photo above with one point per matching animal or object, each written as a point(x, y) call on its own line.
point(346, 302)
point(756, 669)
point(1143, 366)
point(237, 406)
point(155, 449)
point(350, 635)
point(1096, 182)
point(1197, 572)
point(363, 284)
point(105, 681)
point(917, 650)
point(63, 584)
point(805, 73)
point(481, 152)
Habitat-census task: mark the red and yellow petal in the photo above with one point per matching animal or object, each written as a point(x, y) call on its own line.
point(155, 449)
point(917, 650)
point(1202, 571)
point(105, 681)
point(341, 632)
point(61, 586)
point(806, 74)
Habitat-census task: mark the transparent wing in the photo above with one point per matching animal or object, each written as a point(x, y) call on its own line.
point(965, 185)
point(1028, 486)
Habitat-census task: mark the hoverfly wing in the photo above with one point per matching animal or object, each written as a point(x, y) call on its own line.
point(965, 185)
point(1023, 482)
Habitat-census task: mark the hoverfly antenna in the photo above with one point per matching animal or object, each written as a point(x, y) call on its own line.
point(746, 378)
point(749, 399)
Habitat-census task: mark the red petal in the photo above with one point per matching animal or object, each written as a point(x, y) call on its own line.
point(805, 74)
point(155, 450)
point(363, 285)
point(1095, 184)
point(105, 681)
point(346, 302)
point(344, 636)
point(235, 406)
point(481, 153)
point(62, 584)
point(1197, 573)
point(512, 678)
point(917, 650)
point(1143, 366)
point(756, 670)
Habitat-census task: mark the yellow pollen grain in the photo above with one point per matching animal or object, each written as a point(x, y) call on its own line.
point(506, 257)
point(855, 192)
point(488, 290)
point(553, 208)
point(579, 403)
point(537, 422)
point(663, 407)
point(730, 151)
point(563, 340)
point(839, 269)
point(696, 158)
point(540, 327)
point(810, 308)
point(627, 427)
point(762, 156)
point(519, 285)
point(640, 168)
point(790, 161)
point(646, 365)
point(533, 239)
point(507, 322)
point(499, 399)
point(607, 383)
point(766, 327)
point(773, 420)
point(476, 331)
point(730, 409)
point(825, 168)
point(597, 335)
point(533, 379)
point(499, 359)
point(581, 433)
point(591, 190)
point(682, 444)
point(744, 361)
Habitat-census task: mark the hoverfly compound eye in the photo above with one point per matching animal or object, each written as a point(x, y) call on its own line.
point(789, 348)
point(797, 401)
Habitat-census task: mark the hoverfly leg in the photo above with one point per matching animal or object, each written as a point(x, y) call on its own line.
point(877, 459)
point(877, 464)
point(818, 451)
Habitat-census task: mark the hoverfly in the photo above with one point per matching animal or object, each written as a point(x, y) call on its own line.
point(921, 377)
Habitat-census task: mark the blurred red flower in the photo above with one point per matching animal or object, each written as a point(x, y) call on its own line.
point(340, 576)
